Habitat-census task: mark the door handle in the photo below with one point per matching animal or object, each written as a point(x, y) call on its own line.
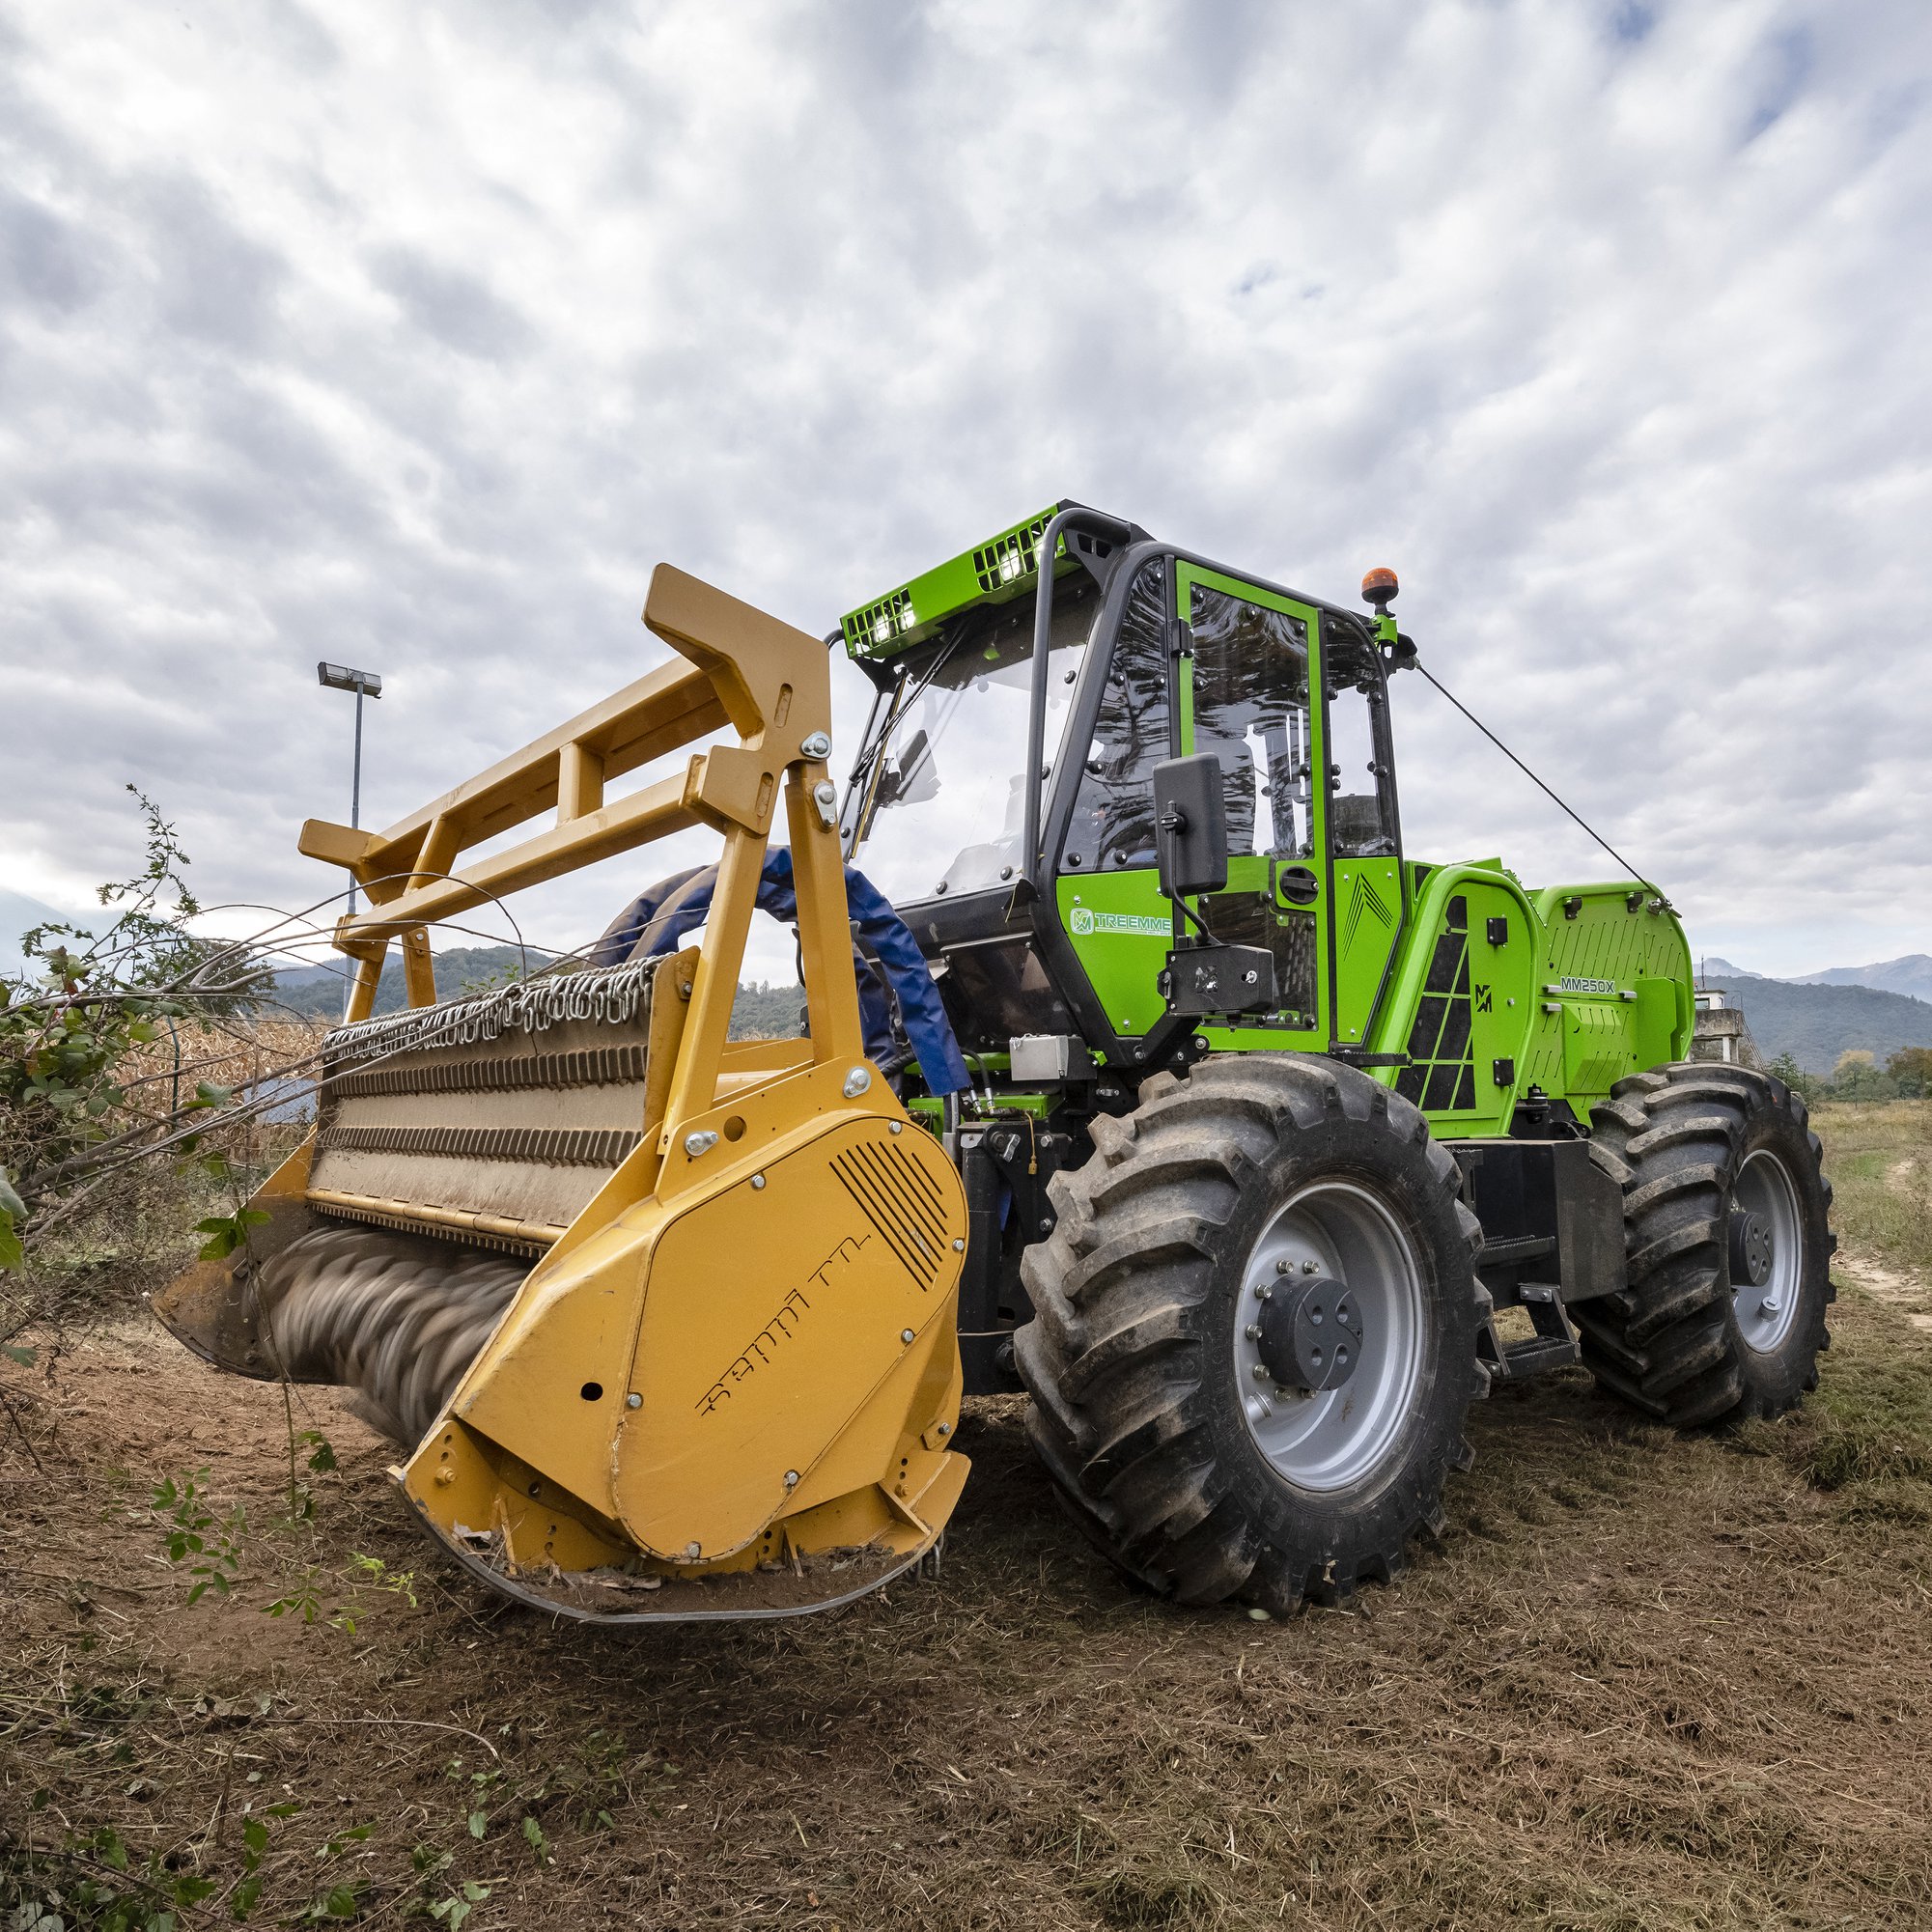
point(1297, 886)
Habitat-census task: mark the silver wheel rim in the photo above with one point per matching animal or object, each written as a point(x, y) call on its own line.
point(1330, 1440)
point(1765, 1312)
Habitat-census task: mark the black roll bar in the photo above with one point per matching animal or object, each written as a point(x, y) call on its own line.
point(1097, 523)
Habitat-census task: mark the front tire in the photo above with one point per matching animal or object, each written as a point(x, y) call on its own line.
point(1727, 1235)
point(1204, 1435)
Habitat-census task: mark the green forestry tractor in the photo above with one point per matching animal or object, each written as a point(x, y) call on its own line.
point(1144, 1070)
point(1274, 1120)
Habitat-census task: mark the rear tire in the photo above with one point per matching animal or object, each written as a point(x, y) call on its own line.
point(1195, 1473)
point(1726, 1230)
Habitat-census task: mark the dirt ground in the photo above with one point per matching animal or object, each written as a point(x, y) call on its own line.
point(1644, 1682)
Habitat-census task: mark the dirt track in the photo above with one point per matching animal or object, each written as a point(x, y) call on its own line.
point(1648, 1682)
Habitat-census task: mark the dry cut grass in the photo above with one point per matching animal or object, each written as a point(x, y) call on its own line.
point(1878, 1155)
point(1648, 1682)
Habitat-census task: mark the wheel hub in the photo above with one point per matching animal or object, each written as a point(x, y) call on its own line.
point(1767, 1251)
point(1310, 1334)
point(1751, 1250)
point(1329, 1338)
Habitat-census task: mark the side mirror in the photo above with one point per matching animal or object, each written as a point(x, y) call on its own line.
point(1191, 824)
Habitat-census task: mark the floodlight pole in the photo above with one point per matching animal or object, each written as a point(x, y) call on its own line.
point(356, 791)
point(365, 685)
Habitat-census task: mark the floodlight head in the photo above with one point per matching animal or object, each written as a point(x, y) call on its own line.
point(340, 678)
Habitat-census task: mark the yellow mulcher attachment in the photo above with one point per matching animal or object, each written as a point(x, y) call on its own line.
point(704, 1291)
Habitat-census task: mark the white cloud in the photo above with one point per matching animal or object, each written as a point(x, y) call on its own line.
point(414, 336)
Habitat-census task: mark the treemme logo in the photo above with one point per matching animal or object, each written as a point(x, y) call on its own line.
point(1569, 984)
point(1141, 925)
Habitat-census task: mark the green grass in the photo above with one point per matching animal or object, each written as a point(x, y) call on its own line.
point(1867, 1431)
point(1870, 1422)
point(1878, 1155)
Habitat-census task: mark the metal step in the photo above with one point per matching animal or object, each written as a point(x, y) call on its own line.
point(1553, 1345)
point(1538, 1354)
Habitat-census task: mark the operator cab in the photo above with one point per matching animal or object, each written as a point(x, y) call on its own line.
point(1151, 654)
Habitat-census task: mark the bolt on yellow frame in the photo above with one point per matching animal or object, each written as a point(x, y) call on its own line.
point(762, 1295)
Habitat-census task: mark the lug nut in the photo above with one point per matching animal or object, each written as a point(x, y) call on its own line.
point(1252, 1331)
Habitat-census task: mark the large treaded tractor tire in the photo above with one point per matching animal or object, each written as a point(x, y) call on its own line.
point(1728, 1246)
point(1196, 1454)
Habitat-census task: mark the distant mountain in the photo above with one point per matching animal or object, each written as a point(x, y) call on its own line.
point(1815, 1017)
point(1911, 975)
point(1815, 1024)
point(1710, 967)
point(318, 992)
point(19, 916)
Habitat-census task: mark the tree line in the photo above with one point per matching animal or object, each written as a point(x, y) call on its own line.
point(1858, 1076)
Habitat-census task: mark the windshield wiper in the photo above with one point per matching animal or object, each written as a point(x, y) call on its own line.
point(903, 701)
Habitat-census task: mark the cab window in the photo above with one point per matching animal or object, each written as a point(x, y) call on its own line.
point(1250, 676)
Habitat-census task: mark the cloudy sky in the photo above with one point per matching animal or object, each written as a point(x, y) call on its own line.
point(413, 336)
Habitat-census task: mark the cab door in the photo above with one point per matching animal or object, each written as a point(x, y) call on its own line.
point(1248, 685)
point(1312, 876)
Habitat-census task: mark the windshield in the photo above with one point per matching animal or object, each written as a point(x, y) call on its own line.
point(937, 806)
